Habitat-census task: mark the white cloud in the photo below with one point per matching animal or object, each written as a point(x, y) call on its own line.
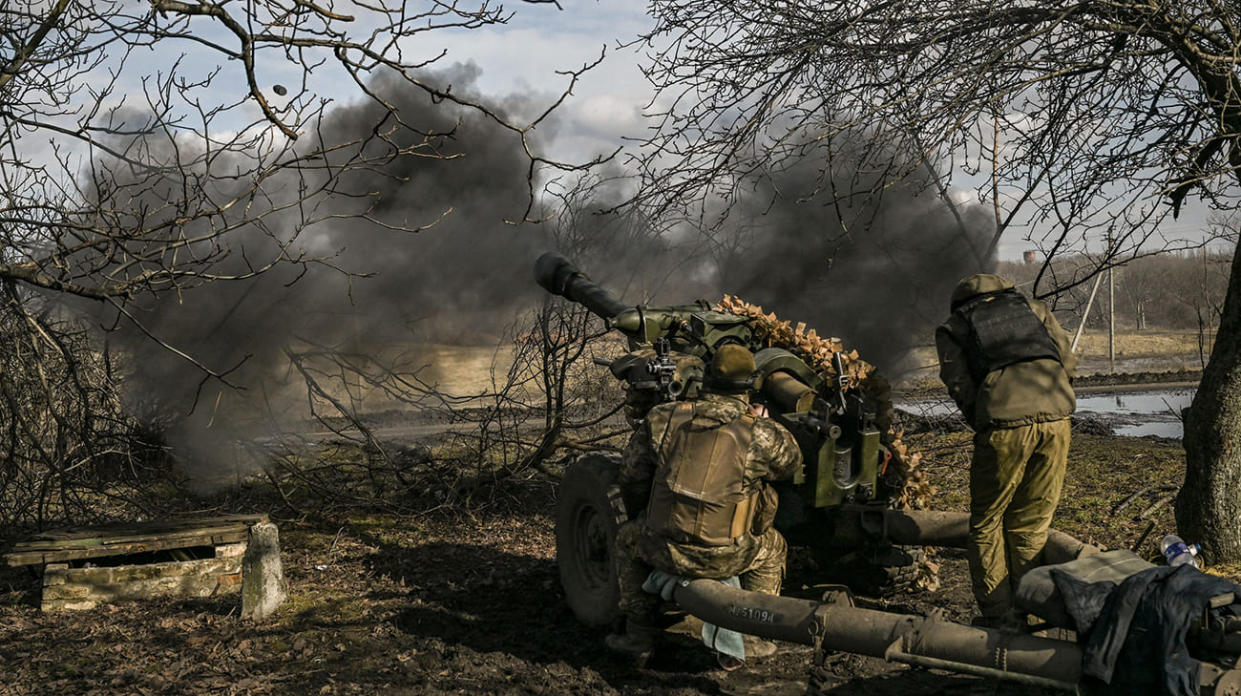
point(526, 55)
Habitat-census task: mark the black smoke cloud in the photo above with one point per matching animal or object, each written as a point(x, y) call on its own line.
point(371, 287)
point(631, 255)
point(869, 261)
point(853, 255)
point(875, 269)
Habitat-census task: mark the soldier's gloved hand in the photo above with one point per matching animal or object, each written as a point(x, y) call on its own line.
point(637, 405)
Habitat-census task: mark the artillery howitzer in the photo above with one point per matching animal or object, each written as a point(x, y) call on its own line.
point(829, 507)
point(842, 506)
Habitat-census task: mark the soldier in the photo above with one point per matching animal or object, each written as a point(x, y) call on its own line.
point(1008, 365)
point(699, 470)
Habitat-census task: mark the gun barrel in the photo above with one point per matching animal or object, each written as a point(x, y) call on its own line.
point(559, 276)
point(788, 392)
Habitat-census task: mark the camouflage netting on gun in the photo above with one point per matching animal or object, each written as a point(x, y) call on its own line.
point(916, 491)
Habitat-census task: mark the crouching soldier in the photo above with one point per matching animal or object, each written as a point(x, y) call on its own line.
point(1007, 364)
point(699, 472)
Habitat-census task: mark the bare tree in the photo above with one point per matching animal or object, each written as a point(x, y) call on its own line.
point(1077, 119)
point(150, 148)
point(216, 145)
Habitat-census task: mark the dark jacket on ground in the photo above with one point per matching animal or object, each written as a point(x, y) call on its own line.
point(1136, 643)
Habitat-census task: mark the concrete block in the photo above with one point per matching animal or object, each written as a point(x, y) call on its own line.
point(54, 574)
point(262, 575)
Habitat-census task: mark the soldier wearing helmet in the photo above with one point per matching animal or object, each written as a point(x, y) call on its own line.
point(699, 472)
point(1008, 364)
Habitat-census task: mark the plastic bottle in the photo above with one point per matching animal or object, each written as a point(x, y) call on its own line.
point(1177, 552)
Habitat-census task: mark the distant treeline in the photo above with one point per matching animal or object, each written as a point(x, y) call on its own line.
point(1166, 291)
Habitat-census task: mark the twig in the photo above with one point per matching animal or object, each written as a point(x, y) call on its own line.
point(1157, 504)
point(334, 540)
point(1142, 538)
point(1135, 495)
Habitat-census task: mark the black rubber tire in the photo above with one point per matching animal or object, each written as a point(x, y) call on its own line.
point(589, 510)
point(876, 570)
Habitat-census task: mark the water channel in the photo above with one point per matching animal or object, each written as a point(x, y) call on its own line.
point(1138, 412)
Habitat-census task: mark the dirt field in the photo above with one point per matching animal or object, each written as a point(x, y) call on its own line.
point(455, 604)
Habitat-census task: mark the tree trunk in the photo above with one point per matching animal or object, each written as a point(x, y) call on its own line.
point(1208, 507)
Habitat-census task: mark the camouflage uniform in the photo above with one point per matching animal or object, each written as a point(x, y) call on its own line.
point(757, 555)
point(1020, 415)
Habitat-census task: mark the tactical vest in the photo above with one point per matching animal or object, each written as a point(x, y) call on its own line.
point(1003, 330)
point(697, 496)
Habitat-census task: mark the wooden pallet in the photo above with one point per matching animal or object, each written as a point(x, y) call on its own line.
point(60, 546)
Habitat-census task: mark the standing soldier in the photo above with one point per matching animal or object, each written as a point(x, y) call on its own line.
point(1008, 364)
point(699, 471)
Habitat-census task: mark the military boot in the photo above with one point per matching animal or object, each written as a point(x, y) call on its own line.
point(638, 639)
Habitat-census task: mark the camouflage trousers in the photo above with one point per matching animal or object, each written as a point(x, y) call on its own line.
point(758, 563)
point(1015, 483)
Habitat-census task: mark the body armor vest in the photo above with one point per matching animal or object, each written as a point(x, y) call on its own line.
point(697, 496)
point(1003, 330)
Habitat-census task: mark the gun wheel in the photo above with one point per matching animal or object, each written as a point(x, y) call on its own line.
point(588, 513)
point(876, 570)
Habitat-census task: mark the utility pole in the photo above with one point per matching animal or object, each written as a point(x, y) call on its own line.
point(1108, 257)
point(1111, 315)
point(1086, 314)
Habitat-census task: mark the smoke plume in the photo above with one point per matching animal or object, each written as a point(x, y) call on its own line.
point(850, 253)
point(873, 264)
point(875, 269)
point(357, 286)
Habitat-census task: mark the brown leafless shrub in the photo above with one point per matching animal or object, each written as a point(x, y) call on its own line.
point(68, 450)
point(547, 397)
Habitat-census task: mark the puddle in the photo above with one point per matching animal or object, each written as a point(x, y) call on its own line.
point(1167, 401)
point(1173, 430)
point(1143, 413)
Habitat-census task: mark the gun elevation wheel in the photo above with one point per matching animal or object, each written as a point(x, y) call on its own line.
point(875, 570)
point(588, 513)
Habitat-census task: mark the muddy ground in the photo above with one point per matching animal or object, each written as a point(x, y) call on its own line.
point(471, 604)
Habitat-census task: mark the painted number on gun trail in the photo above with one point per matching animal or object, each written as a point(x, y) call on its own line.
point(754, 614)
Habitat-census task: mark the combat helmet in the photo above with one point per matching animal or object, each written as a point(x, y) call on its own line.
point(732, 370)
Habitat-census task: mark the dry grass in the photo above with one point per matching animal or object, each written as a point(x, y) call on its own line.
point(469, 370)
point(1144, 344)
point(465, 370)
point(1151, 351)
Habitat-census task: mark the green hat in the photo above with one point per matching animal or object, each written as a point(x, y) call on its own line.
point(732, 366)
